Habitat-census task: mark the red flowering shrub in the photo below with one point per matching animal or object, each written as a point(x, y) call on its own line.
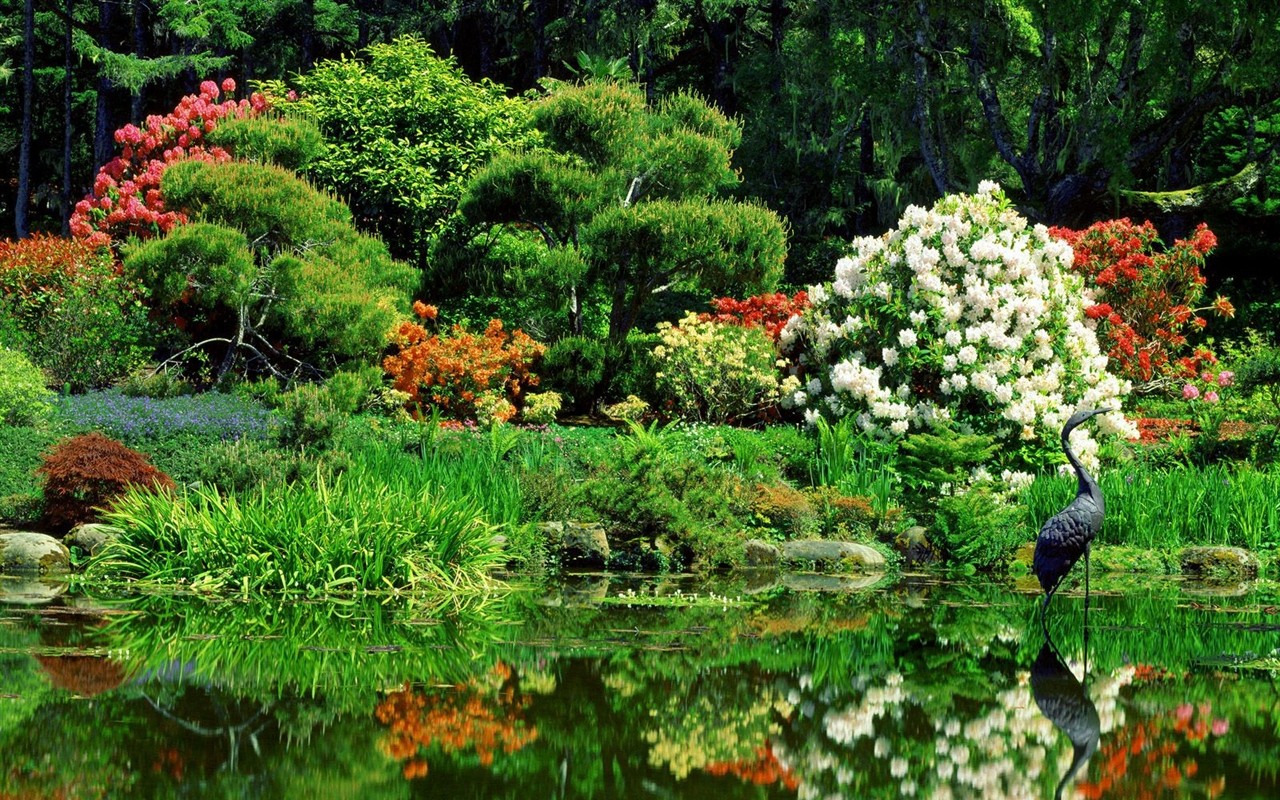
point(126, 193)
point(65, 304)
point(87, 472)
point(1147, 297)
point(465, 375)
point(768, 311)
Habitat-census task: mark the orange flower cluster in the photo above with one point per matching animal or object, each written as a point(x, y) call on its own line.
point(457, 721)
point(465, 375)
point(1141, 761)
point(764, 770)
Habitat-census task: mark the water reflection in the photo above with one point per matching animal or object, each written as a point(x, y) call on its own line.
point(631, 688)
point(1062, 698)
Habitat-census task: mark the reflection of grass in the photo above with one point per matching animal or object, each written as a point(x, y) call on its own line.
point(633, 599)
point(344, 652)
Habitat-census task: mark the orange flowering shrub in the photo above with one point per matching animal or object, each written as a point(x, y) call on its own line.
point(462, 719)
point(466, 375)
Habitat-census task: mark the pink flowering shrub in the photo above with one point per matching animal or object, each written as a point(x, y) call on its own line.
point(126, 198)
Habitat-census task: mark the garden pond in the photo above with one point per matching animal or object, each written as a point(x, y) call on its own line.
point(602, 686)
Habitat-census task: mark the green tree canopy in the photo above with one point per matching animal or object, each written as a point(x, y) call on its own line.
point(270, 268)
point(405, 130)
point(627, 199)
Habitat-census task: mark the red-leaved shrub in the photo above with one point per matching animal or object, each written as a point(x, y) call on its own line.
point(768, 311)
point(85, 473)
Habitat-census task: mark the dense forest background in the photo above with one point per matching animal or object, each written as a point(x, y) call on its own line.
point(851, 109)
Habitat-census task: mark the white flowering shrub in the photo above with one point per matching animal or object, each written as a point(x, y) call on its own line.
point(963, 312)
point(714, 372)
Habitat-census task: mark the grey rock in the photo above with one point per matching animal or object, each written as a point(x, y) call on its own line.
point(27, 553)
point(802, 582)
point(578, 544)
point(91, 536)
point(26, 591)
point(915, 547)
point(826, 554)
point(1219, 562)
point(760, 553)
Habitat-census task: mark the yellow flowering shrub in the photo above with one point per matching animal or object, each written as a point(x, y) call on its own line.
point(713, 372)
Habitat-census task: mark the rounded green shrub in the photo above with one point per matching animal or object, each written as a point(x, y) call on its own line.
point(24, 399)
point(575, 366)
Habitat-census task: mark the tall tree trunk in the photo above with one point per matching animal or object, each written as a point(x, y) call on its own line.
point(103, 146)
point(308, 22)
point(140, 12)
point(20, 223)
point(66, 121)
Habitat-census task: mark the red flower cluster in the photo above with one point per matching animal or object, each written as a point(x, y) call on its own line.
point(768, 311)
point(1147, 296)
point(126, 196)
point(1142, 760)
point(464, 374)
point(763, 770)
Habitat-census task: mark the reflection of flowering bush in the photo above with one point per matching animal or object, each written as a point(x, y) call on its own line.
point(704, 733)
point(468, 717)
point(1149, 758)
point(763, 770)
point(963, 312)
point(888, 738)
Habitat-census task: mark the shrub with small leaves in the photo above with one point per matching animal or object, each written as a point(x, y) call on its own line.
point(541, 408)
point(576, 366)
point(311, 418)
point(23, 396)
point(86, 473)
point(716, 373)
point(632, 408)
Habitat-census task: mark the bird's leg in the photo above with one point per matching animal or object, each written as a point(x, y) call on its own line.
point(1087, 546)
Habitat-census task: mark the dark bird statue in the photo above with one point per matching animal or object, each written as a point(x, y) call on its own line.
point(1064, 701)
point(1067, 535)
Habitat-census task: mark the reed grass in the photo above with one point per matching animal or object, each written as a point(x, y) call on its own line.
point(392, 521)
point(1212, 505)
point(845, 460)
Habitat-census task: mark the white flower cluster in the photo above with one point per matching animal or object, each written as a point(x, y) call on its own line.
point(964, 312)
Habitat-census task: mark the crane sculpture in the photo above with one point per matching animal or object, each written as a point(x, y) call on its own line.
point(1068, 534)
point(1065, 702)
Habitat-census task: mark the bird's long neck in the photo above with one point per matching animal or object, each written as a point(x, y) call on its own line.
point(1084, 482)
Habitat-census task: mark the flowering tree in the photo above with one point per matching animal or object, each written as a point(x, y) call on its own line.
point(1148, 298)
point(126, 198)
point(965, 313)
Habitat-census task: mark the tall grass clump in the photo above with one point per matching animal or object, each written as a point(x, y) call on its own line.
point(1212, 505)
point(846, 460)
point(387, 522)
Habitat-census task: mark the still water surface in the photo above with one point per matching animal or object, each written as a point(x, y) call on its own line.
point(622, 687)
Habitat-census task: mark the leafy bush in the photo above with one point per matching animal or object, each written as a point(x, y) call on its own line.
point(310, 418)
point(71, 311)
point(87, 472)
point(1147, 297)
point(978, 528)
point(23, 396)
point(157, 384)
point(405, 129)
point(286, 142)
point(714, 372)
point(21, 451)
point(308, 281)
point(541, 408)
point(576, 366)
point(467, 376)
point(962, 312)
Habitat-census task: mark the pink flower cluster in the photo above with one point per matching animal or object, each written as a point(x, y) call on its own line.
point(1211, 382)
point(126, 198)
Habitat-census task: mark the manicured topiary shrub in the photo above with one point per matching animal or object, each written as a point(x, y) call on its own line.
point(87, 472)
point(23, 396)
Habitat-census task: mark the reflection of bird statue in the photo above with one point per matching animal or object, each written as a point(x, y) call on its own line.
point(1064, 701)
point(1067, 534)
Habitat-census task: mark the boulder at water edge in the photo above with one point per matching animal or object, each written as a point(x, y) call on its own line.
point(91, 536)
point(27, 553)
point(834, 556)
point(1219, 562)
